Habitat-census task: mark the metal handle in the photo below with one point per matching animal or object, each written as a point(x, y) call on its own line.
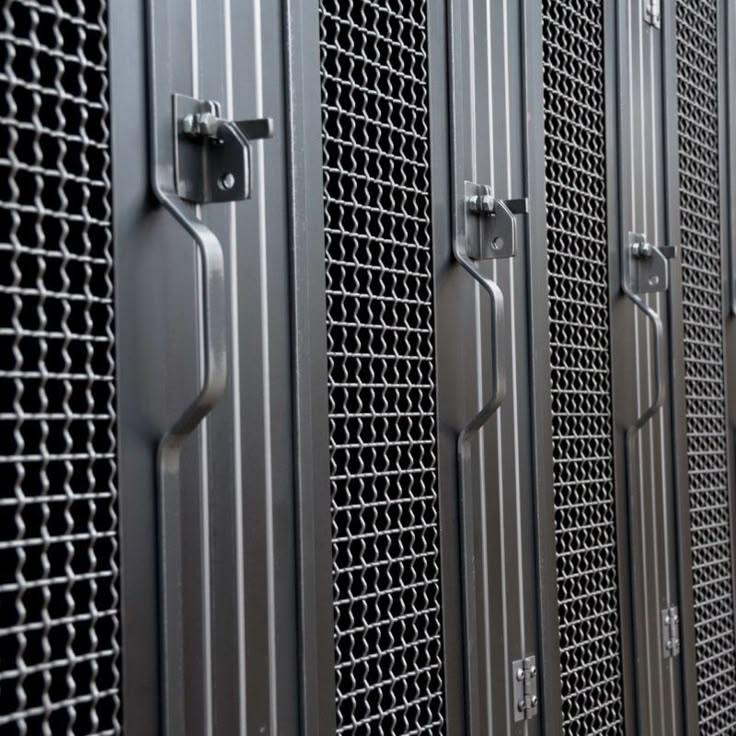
point(213, 353)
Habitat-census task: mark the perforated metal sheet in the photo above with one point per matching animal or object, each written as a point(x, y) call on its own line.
point(697, 92)
point(59, 652)
point(575, 169)
point(381, 366)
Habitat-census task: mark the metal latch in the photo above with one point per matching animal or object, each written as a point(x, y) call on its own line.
point(490, 223)
point(648, 265)
point(212, 156)
point(671, 632)
point(524, 679)
point(653, 12)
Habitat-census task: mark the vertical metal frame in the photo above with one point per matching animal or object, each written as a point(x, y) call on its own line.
point(140, 411)
point(689, 706)
point(309, 342)
point(450, 380)
point(538, 295)
point(497, 508)
point(727, 156)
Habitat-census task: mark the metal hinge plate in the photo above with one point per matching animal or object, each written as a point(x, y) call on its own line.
point(671, 632)
point(490, 223)
point(212, 156)
point(524, 678)
point(647, 267)
point(653, 12)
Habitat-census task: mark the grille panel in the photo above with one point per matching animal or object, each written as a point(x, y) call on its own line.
point(585, 527)
point(59, 665)
point(383, 457)
point(697, 95)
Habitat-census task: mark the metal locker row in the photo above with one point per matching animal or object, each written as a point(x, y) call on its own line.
point(368, 367)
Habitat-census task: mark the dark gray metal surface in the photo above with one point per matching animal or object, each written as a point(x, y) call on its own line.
point(59, 600)
point(705, 385)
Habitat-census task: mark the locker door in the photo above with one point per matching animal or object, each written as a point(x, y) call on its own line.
point(700, 35)
point(376, 431)
point(606, 507)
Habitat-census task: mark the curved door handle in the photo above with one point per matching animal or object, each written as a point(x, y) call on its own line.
point(490, 233)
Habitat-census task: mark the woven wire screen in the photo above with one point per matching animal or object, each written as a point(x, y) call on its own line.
point(575, 168)
point(697, 95)
point(383, 445)
point(59, 653)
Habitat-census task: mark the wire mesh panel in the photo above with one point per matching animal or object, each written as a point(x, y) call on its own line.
point(707, 443)
point(59, 654)
point(575, 168)
point(381, 367)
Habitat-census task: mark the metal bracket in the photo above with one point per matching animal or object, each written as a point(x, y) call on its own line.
point(647, 265)
point(524, 678)
point(490, 223)
point(212, 156)
point(653, 13)
point(671, 631)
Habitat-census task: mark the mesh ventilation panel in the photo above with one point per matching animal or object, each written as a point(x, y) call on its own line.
point(575, 168)
point(383, 447)
point(707, 444)
point(59, 654)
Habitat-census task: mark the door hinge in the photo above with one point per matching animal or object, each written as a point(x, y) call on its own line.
point(212, 156)
point(653, 12)
point(490, 223)
point(671, 631)
point(524, 678)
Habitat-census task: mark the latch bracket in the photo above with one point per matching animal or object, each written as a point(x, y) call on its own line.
point(212, 156)
point(653, 12)
point(490, 223)
point(671, 632)
point(647, 266)
point(524, 678)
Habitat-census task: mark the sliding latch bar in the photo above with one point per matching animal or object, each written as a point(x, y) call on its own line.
point(648, 265)
point(524, 678)
point(493, 232)
point(671, 632)
point(212, 156)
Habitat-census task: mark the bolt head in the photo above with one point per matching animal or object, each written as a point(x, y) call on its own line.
point(520, 705)
point(520, 674)
point(533, 671)
point(497, 244)
point(227, 181)
point(534, 701)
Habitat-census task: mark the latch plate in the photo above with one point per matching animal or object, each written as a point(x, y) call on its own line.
point(653, 12)
point(524, 678)
point(490, 223)
point(671, 632)
point(212, 156)
point(647, 265)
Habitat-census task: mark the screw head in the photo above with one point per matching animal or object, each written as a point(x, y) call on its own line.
point(226, 181)
point(520, 705)
point(533, 671)
point(520, 674)
point(534, 701)
point(667, 620)
point(497, 244)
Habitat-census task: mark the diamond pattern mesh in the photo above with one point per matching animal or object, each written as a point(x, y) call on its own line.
point(575, 169)
point(59, 653)
point(383, 454)
point(697, 94)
